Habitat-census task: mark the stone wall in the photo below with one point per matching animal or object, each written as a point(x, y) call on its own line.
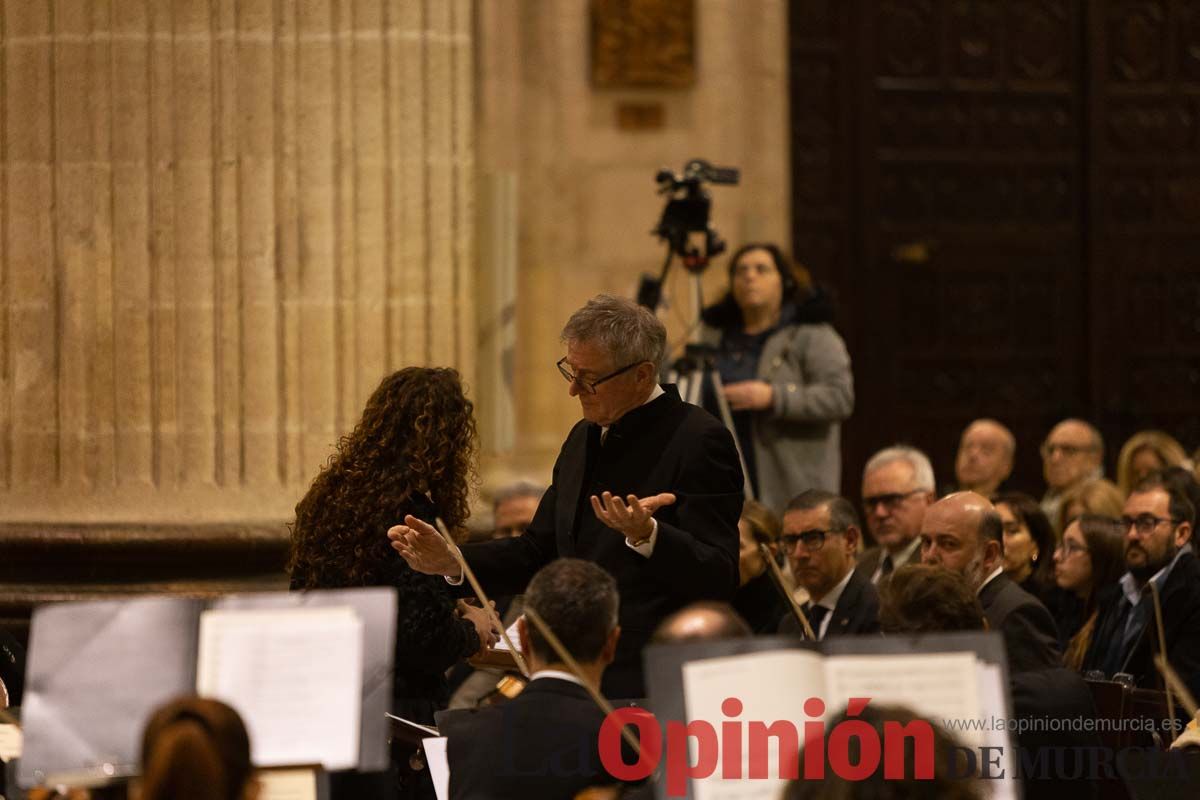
point(220, 224)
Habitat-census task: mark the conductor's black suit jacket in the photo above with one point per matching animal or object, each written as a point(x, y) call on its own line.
point(665, 445)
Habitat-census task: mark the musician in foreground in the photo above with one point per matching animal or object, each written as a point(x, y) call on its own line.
point(646, 486)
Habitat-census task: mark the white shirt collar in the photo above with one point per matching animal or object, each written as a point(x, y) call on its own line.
point(991, 577)
point(833, 595)
point(657, 393)
point(557, 674)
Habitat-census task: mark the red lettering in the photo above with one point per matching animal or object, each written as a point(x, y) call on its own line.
point(679, 766)
point(731, 740)
point(789, 749)
point(894, 734)
point(814, 740)
point(650, 741)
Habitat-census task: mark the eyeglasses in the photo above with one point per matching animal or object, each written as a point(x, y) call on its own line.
point(1069, 549)
point(812, 540)
point(1049, 450)
point(1144, 523)
point(590, 386)
point(890, 501)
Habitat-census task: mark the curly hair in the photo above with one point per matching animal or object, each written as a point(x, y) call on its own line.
point(416, 437)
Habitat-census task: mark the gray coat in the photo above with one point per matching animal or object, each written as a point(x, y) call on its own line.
point(797, 443)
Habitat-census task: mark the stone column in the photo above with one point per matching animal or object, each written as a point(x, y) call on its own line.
point(221, 223)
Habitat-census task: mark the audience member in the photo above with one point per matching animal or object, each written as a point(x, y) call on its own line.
point(12, 670)
point(1090, 559)
point(544, 743)
point(985, 457)
point(963, 533)
point(1144, 453)
point(1098, 496)
point(758, 599)
point(821, 533)
point(513, 507)
point(1158, 530)
point(1071, 454)
point(898, 486)
point(1028, 543)
point(194, 748)
point(785, 370)
point(701, 622)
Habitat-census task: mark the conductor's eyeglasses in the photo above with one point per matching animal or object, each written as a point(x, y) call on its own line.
point(590, 386)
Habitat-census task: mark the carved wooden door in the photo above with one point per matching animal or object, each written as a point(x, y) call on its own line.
point(1145, 232)
point(951, 222)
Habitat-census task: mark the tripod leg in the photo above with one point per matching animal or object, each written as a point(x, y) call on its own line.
point(727, 418)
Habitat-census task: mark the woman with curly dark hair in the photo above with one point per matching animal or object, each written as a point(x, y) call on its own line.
point(413, 452)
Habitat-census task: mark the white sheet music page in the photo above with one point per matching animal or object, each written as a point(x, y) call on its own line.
point(295, 676)
point(771, 686)
point(936, 686)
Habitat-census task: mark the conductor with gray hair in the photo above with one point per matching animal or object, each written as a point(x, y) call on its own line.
point(646, 486)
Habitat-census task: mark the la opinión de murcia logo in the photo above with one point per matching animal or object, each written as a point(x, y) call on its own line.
point(725, 748)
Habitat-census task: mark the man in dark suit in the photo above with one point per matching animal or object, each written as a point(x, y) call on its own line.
point(1158, 523)
point(543, 743)
point(963, 533)
point(821, 535)
point(646, 486)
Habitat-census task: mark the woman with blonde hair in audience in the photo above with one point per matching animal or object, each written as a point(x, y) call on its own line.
point(757, 599)
point(1097, 496)
point(195, 748)
point(1090, 558)
point(1146, 452)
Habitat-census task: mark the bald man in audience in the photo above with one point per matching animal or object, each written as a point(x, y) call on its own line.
point(985, 457)
point(702, 622)
point(964, 534)
point(1072, 454)
point(898, 485)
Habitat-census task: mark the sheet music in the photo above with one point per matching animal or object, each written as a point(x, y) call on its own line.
point(772, 686)
point(287, 784)
point(439, 766)
point(511, 630)
point(10, 742)
point(294, 674)
point(991, 696)
point(933, 685)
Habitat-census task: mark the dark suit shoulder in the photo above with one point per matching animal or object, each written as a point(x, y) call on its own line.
point(857, 610)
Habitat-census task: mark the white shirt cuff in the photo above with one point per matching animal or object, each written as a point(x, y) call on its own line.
point(456, 581)
point(645, 548)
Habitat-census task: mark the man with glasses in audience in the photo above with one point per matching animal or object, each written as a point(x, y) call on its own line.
point(1158, 522)
point(646, 486)
point(821, 534)
point(1072, 454)
point(963, 533)
point(897, 487)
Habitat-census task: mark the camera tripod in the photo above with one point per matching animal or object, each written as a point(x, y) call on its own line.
point(695, 373)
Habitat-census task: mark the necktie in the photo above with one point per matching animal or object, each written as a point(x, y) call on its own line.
point(816, 615)
point(886, 568)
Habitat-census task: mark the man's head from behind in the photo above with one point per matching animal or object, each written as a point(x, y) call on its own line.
point(1073, 451)
point(985, 456)
point(704, 621)
point(821, 535)
point(898, 485)
point(614, 347)
point(1157, 521)
point(963, 533)
point(922, 598)
point(513, 507)
point(578, 601)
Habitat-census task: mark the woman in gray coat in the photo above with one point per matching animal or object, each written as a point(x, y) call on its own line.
point(786, 374)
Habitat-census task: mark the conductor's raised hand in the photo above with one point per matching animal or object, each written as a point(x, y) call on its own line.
point(630, 516)
point(423, 548)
